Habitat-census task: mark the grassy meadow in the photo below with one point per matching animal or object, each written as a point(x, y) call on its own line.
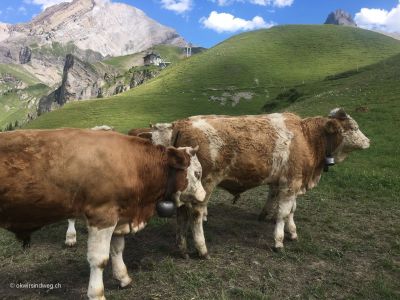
point(262, 63)
point(348, 226)
point(15, 104)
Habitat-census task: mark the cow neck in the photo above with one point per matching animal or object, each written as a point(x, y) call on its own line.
point(171, 184)
point(328, 151)
point(314, 132)
point(171, 176)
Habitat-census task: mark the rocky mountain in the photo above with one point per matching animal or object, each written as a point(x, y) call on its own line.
point(60, 49)
point(82, 80)
point(340, 17)
point(112, 29)
point(89, 29)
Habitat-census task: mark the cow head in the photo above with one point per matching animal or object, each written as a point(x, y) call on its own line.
point(161, 133)
point(347, 137)
point(188, 173)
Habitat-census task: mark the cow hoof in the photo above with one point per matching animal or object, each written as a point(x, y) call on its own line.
point(205, 256)
point(184, 255)
point(96, 297)
point(70, 243)
point(293, 238)
point(70, 240)
point(123, 283)
point(277, 249)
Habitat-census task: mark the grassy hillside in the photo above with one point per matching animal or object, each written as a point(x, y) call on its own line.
point(258, 64)
point(349, 243)
point(18, 72)
point(19, 90)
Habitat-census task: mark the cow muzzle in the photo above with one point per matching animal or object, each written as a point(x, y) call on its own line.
point(200, 195)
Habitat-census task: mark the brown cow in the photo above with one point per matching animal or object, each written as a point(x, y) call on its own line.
point(111, 180)
point(280, 150)
point(70, 236)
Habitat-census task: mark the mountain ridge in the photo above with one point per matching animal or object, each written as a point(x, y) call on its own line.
point(96, 25)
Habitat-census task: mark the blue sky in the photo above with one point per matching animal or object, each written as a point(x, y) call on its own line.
point(208, 22)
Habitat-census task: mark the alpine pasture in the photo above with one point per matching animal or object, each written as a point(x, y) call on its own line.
point(349, 244)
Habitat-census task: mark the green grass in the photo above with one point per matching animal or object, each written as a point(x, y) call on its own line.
point(15, 105)
point(262, 62)
point(57, 49)
point(125, 62)
point(18, 72)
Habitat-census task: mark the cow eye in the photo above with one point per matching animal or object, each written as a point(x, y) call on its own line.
point(197, 174)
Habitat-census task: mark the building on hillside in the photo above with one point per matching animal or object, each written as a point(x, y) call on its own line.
point(154, 59)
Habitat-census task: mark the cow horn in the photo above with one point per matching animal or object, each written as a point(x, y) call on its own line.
point(176, 139)
point(338, 113)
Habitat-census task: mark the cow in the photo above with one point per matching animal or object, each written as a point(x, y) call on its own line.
point(280, 150)
point(111, 180)
point(70, 236)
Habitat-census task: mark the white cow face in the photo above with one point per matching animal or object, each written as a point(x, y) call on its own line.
point(193, 176)
point(161, 134)
point(350, 136)
point(189, 188)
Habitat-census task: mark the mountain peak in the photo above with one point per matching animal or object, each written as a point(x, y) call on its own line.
point(112, 29)
point(340, 17)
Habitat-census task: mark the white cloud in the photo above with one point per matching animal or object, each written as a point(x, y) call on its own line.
point(45, 3)
point(276, 3)
point(282, 3)
point(224, 22)
point(178, 6)
point(223, 2)
point(381, 19)
point(22, 10)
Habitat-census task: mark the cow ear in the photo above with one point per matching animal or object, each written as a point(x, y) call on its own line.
point(193, 151)
point(338, 113)
point(178, 159)
point(332, 126)
point(145, 135)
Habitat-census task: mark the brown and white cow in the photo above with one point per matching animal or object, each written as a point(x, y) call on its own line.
point(70, 236)
point(111, 180)
point(280, 150)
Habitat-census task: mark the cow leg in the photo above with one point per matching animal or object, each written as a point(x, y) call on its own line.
point(290, 226)
point(118, 266)
point(98, 254)
point(182, 218)
point(186, 214)
point(197, 230)
point(270, 207)
point(205, 214)
point(285, 203)
point(70, 237)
